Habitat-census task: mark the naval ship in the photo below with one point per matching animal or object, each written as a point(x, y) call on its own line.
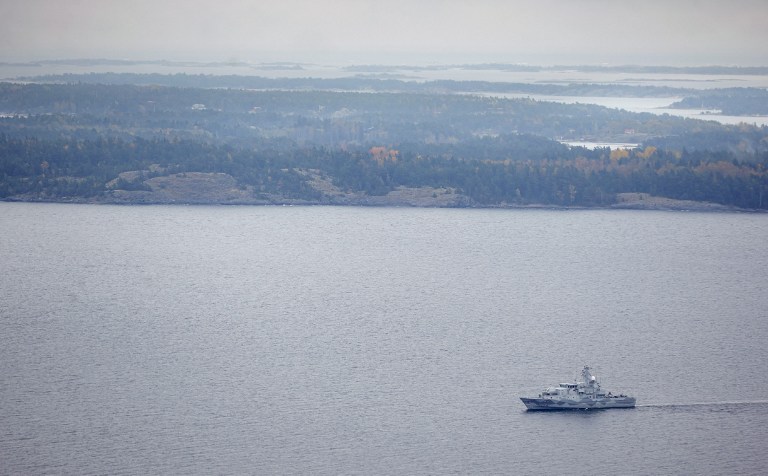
point(583, 395)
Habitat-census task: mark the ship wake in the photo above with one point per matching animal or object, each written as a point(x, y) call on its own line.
point(705, 404)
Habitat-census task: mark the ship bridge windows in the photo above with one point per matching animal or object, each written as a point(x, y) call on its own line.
point(551, 391)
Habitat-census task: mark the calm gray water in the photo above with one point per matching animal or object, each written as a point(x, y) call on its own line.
point(321, 340)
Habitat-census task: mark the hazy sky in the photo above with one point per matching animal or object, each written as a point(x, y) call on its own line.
point(390, 31)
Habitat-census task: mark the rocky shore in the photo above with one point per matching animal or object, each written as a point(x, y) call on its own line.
point(197, 188)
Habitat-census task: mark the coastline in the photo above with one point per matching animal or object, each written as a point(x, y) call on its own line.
point(625, 201)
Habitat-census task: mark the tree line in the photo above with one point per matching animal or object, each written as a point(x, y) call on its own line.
point(73, 141)
point(246, 118)
point(40, 169)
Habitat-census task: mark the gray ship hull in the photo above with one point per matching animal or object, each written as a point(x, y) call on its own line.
point(578, 404)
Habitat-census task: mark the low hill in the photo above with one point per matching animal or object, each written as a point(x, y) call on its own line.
point(160, 144)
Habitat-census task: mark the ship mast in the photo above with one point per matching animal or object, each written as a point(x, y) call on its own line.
point(589, 379)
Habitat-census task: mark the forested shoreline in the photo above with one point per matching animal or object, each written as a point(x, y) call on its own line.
point(124, 143)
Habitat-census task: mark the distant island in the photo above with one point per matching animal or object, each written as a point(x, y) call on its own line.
point(150, 138)
point(624, 68)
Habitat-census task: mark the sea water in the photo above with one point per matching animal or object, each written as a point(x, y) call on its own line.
point(331, 340)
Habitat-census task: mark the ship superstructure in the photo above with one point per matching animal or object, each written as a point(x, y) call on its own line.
point(585, 394)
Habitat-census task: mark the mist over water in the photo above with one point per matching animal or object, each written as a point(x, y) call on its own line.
point(358, 340)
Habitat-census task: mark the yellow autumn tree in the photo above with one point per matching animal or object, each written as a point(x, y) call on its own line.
point(382, 154)
point(649, 151)
point(618, 154)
